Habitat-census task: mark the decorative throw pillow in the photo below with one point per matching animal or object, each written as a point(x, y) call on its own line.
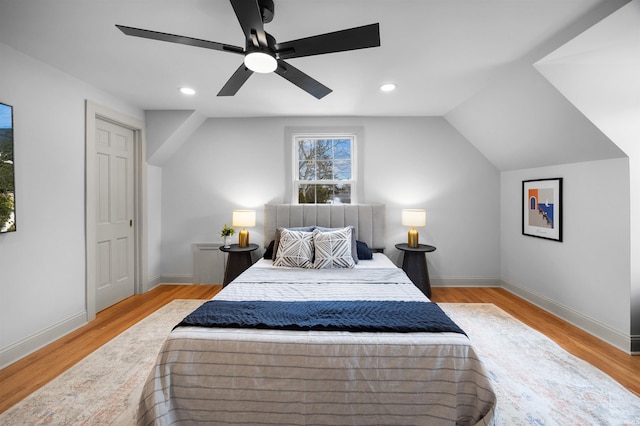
point(333, 249)
point(295, 249)
point(354, 251)
point(268, 253)
point(364, 252)
point(276, 241)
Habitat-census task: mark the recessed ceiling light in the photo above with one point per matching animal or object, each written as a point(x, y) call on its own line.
point(187, 91)
point(388, 87)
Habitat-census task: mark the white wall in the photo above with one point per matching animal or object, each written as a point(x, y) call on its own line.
point(585, 278)
point(408, 162)
point(154, 224)
point(598, 72)
point(42, 265)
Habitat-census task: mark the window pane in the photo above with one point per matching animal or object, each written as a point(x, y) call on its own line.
point(306, 149)
point(324, 170)
point(324, 149)
point(324, 194)
point(307, 194)
point(306, 170)
point(342, 170)
point(342, 194)
point(342, 149)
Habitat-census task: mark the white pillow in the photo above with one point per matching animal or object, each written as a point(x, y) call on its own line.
point(333, 249)
point(354, 248)
point(295, 249)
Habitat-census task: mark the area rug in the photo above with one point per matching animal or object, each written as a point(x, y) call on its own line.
point(103, 388)
point(536, 381)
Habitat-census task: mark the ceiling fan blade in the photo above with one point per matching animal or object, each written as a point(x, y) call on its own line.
point(172, 38)
point(236, 81)
point(338, 41)
point(250, 18)
point(302, 80)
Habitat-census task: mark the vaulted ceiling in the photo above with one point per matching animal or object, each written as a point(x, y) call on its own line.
point(467, 60)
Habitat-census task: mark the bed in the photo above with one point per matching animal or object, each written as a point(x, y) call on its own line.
point(223, 373)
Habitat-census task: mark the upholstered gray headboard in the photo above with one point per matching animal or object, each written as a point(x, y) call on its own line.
point(368, 219)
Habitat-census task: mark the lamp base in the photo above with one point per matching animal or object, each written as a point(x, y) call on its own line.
point(243, 238)
point(412, 239)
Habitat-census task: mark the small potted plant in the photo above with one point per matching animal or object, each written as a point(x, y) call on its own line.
point(226, 233)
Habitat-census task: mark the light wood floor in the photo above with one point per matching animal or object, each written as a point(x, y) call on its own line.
point(27, 375)
point(34, 371)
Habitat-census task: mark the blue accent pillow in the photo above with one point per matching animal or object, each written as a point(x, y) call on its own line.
point(364, 252)
point(268, 253)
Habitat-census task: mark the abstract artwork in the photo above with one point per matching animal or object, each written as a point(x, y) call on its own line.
point(7, 179)
point(542, 208)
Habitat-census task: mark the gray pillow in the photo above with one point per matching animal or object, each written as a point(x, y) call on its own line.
point(354, 247)
point(276, 241)
point(333, 249)
point(295, 250)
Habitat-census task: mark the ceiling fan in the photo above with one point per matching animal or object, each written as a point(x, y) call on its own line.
point(263, 54)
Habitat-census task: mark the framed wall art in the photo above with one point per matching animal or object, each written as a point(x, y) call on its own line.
point(7, 175)
point(542, 208)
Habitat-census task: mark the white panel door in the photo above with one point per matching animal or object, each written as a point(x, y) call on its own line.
point(114, 222)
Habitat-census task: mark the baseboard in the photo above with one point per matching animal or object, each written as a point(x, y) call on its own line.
point(176, 279)
point(154, 282)
point(30, 344)
point(590, 325)
point(466, 282)
point(635, 345)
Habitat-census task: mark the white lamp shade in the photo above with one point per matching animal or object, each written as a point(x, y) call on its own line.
point(244, 218)
point(414, 217)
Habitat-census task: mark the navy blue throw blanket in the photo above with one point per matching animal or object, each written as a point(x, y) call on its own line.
point(358, 315)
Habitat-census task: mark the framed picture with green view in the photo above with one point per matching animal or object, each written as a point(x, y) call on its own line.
point(7, 175)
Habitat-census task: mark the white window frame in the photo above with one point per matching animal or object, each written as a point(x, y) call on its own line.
point(294, 133)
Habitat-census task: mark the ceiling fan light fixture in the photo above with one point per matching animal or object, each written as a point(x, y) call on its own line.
point(261, 62)
point(263, 54)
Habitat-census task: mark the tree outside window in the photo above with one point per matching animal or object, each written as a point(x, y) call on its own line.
point(7, 181)
point(324, 169)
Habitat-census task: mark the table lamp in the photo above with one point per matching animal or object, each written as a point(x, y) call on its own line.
point(243, 219)
point(414, 218)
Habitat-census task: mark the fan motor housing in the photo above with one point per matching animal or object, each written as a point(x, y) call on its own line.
point(266, 10)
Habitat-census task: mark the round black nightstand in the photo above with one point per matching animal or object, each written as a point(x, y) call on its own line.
point(415, 265)
point(238, 261)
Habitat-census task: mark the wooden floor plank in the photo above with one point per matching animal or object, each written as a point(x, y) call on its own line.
point(34, 371)
point(30, 373)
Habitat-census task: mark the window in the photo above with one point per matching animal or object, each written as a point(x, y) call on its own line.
point(324, 165)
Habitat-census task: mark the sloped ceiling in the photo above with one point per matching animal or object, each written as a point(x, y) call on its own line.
point(468, 60)
point(522, 121)
point(599, 71)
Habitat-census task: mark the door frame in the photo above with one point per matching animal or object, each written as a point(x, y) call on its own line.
point(92, 112)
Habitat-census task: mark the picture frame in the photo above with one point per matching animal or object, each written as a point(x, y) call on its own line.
point(542, 208)
point(7, 174)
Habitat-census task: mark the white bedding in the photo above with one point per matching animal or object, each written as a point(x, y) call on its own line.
point(248, 376)
point(379, 261)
